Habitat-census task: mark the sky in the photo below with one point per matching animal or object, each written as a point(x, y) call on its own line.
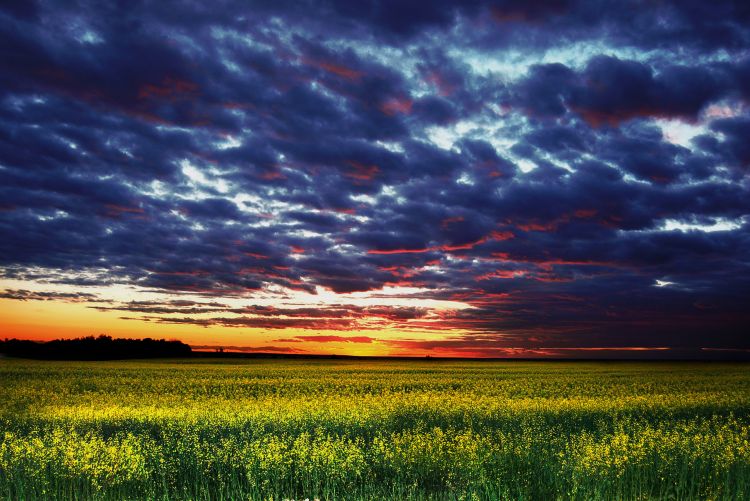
point(386, 177)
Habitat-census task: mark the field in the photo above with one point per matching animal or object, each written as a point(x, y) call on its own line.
point(296, 429)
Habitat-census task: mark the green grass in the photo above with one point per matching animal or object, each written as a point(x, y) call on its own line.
point(294, 429)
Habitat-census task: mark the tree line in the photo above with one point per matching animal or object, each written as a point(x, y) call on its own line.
point(94, 348)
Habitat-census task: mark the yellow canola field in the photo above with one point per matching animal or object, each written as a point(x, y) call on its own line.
point(334, 429)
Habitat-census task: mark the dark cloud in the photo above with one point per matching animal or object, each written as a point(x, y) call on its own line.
point(731, 147)
point(248, 349)
point(262, 323)
point(329, 339)
point(68, 297)
point(610, 90)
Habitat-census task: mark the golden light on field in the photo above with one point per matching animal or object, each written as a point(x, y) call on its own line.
point(375, 429)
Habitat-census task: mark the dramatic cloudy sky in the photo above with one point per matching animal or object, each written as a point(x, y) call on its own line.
point(481, 178)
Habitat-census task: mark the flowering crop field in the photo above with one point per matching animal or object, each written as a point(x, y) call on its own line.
point(344, 429)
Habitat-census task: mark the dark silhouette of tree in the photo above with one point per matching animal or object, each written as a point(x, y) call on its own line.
point(95, 348)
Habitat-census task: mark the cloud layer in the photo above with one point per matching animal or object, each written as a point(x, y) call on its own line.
point(576, 172)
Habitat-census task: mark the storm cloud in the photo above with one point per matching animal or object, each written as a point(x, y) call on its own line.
point(575, 173)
